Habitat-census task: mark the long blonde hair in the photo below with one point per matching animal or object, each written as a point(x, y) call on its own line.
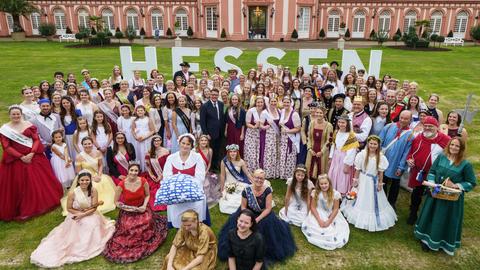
point(377, 153)
point(318, 190)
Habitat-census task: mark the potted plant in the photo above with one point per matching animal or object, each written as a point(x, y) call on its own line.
point(17, 8)
point(118, 34)
point(373, 35)
point(347, 34)
point(47, 30)
point(177, 28)
point(294, 35)
point(169, 33)
point(131, 34)
point(223, 35)
point(475, 33)
point(341, 30)
point(381, 37)
point(190, 32)
point(450, 34)
point(322, 34)
point(142, 34)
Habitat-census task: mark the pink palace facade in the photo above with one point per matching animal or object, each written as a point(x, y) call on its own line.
point(255, 19)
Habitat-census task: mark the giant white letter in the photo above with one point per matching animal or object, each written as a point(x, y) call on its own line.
point(263, 56)
point(304, 56)
point(350, 57)
point(220, 62)
point(129, 66)
point(177, 57)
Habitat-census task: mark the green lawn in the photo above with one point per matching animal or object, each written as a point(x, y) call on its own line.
point(451, 74)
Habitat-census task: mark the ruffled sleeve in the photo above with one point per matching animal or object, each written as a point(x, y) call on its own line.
point(359, 160)
point(383, 165)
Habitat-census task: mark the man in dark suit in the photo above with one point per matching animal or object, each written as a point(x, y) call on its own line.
point(184, 73)
point(334, 65)
point(212, 122)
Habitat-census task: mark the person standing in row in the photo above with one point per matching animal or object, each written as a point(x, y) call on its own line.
point(212, 121)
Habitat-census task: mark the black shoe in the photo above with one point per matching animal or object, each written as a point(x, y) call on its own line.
point(424, 247)
point(412, 218)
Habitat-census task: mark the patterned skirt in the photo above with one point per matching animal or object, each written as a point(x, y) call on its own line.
point(137, 235)
point(288, 157)
point(252, 140)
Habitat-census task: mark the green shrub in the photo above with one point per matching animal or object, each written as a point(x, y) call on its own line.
point(47, 29)
point(142, 32)
point(223, 34)
point(398, 32)
point(450, 34)
point(68, 30)
point(347, 33)
point(93, 32)
point(294, 34)
point(322, 33)
point(381, 37)
point(169, 32)
point(373, 35)
point(475, 33)
point(95, 41)
point(190, 31)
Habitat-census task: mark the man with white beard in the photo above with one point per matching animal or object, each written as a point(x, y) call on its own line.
point(425, 149)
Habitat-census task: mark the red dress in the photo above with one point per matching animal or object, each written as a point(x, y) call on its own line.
point(27, 190)
point(154, 186)
point(137, 235)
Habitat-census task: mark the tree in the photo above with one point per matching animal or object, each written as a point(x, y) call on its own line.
point(294, 35)
point(17, 8)
point(68, 30)
point(98, 22)
point(142, 32)
point(79, 36)
point(130, 33)
point(433, 38)
point(475, 33)
point(322, 34)
point(397, 37)
point(450, 34)
point(118, 34)
point(424, 27)
point(373, 35)
point(190, 32)
point(169, 32)
point(47, 30)
point(93, 32)
point(223, 35)
point(347, 33)
point(440, 40)
point(398, 32)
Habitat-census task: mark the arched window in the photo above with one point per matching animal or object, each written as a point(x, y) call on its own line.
point(384, 21)
point(436, 22)
point(211, 21)
point(35, 19)
point(460, 24)
point(60, 21)
point(359, 24)
point(333, 24)
point(182, 19)
point(157, 20)
point(108, 22)
point(132, 19)
point(304, 22)
point(410, 19)
point(83, 19)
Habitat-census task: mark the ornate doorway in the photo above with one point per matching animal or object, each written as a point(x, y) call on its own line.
point(257, 23)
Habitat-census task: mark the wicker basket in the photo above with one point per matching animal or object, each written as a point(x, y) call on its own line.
point(447, 193)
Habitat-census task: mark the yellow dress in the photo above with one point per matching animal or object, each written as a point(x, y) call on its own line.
point(189, 247)
point(105, 187)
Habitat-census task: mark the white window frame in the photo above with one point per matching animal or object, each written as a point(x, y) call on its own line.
point(436, 22)
point(157, 21)
point(304, 22)
point(384, 22)
point(60, 21)
point(182, 17)
point(211, 21)
point(132, 20)
point(359, 20)
point(333, 24)
point(108, 20)
point(35, 20)
point(9, 19)
point(461, 24)
point(83, 19)
point(410, 19)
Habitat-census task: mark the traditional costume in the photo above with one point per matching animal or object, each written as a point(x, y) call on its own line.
point(334, 113)
point(289, 143)
point(440, 222)
point(342, 153)
point(319, 140)
point(252, 140)
point(361, 124)
point(269, 142)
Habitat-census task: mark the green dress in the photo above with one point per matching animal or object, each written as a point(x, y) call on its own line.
point(440, 221)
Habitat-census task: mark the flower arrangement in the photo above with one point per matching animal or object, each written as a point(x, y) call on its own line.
point(352, 195)
point(230, 188)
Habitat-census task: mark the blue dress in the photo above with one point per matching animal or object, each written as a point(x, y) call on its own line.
point(278, 239)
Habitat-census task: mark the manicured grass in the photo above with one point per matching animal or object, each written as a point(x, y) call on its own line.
point(451, 74)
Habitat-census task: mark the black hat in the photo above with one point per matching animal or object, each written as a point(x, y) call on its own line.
point(328, 86)
point(334, 62)
point(184, 64)
point(339, 95)
point(313, 104)
point(309, 87)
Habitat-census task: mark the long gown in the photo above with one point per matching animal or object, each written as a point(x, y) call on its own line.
point(102, 141)
point(211, 185)
point(182, 129)
point(28, 190)
point(64, 175)
point(193, 166)
point(342, 152)
point(70, 126)
point(74, 240)
point(137, 235)
point(230, 202)
point(279, 243)
point(125, 125)
point(289, 144)
point(269, 142)
point(371, 210)
point(118, 164)
point(319, 140)
point(234, 128)
point(252, 141)
point(297, 207)
point(105, 187)
point(189, 247)
point(141, 148)
point(329, 238)
point(439, 225)
point(156, 165)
